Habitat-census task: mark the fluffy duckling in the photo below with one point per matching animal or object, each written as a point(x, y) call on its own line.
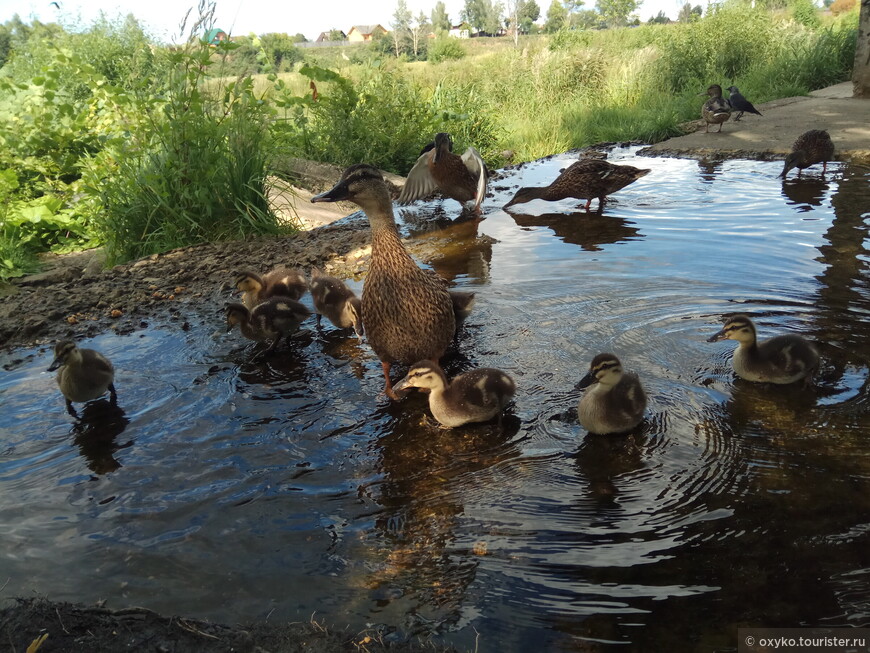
point(615, 402)
point(585, 179)
point(811, 147)
point(270, 320)
point(740, 103)
point(474, 396)
point(336, 301)
point(716, 110)
point(461, 177)
point(407, 313)
point(782, 359)
point(84, 374)
point(280, 282)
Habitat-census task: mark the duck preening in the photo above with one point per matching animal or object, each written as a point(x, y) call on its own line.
point(740, 104)
point(781, 359)
point(811, 147)
point(333, 299)
point(462, 178)
point(615, 400)
point(280, 282)
point(268, 321)
point(715, 110)
point(407, 313)
point(474, 396)
point(83, 374)
point(585, 179)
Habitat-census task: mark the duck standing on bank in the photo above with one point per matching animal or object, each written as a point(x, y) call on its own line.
point(716, 109)
point(811, 147)
point(462, 178)
point(780, 360)
point(280, 282)
point(474, 396)
point(336, 301)
point(268, 321)
point(585, 179)
point(407, 313)
point(615, 401)
point(83, 374)
point(740, 103)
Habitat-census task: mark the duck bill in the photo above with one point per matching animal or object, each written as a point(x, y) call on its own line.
point(56, 363)
point(335, 194)
point(402, 385)
point(586, 381)
point(717, 336)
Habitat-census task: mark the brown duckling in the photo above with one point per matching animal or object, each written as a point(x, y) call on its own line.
point(336, 301)
point(584, 179)
point(280, 282)
point(84, 374)
point(270, 320)
point(463, 303)
point(407, 313)
point(716, 110)
point(782, 359)
point(474, 396)
point(615, 402)
point(462, 178)
point(811, 147)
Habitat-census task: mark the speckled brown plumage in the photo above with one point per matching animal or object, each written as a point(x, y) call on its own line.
point(268, 321)
point(716, 110)
point(585, 179)
point(462, 178)
point(280, 282)
point(407, 313)
point(615, 401)
point(811, 147)
point(333, 299)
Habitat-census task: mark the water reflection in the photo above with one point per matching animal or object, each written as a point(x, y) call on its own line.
point(95, 433)
point(588, 230)
point(805, 193)
point(709, 169)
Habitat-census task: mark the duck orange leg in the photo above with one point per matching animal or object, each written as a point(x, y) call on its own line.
point(388, 385)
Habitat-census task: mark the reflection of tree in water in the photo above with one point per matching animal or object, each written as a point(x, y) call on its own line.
point(805, 192)
point(427, 474)
point(95, 432)
point(589, 230)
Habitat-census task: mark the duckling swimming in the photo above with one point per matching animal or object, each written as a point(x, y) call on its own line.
point(84, 374)
point(461, 177)
point(782, 359)
point(615, 402)
point(336, 301)
point(716, 110)
point(280, 282)
point(474, 396)
point(271, 320)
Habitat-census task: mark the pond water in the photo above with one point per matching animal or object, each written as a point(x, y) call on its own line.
point(235, 488)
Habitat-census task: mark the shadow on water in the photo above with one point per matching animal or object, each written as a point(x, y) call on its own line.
point(285, 485)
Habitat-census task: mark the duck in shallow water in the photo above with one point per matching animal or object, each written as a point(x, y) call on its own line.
point(615, 400)
point(268, 321)
point(280, 282)
point(407, 313)
point(811, 147)
point(83, 374)
point(338, 303)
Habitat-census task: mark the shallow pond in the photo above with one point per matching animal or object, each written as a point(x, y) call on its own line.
point(235, 488)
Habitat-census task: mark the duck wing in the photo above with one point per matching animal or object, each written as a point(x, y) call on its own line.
point(474, 162)
point(420, 182)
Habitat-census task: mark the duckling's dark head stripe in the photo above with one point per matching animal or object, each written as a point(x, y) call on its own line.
point(604, 362)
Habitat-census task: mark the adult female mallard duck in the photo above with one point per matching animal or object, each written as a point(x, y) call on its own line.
point(716, 110)
point(740, 104)
point(615, 402)
point(336, 301)
point(280, 282)
point(811, 147)
point(461, 177)
point(474, 396)
point(269, 321)
point(782, 359)
point(407, 313)
point(84, 374)
point(585, 179)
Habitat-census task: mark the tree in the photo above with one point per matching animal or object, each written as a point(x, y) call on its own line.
point(336, 35)
point(521, 15)
point(299, 38)
point(401, 26)
point(616, 12)
point(440, 19)
point(659, 19)
point(280, 50)
point(418, 30)
point(689, 14)
point(483, 15)
point(557, 17)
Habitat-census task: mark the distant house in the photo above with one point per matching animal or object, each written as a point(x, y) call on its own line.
point(215, 35)
point(324, 36)
point(359, 33)
point(462, 31)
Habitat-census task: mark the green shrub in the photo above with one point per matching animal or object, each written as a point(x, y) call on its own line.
point(445, 48)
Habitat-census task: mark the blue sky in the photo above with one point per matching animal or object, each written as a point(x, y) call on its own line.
point(257, 16)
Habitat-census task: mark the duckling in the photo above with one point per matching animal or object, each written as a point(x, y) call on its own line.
point(461, 177)
point(583, 179)
point(811, 147)
point(463, 303)
point(336, 301)
point(282, 281)
point(407, 313)
point(270, 320)
point(782, 359)
point(716, 110)
point(474, 396)
point(740, 103)
point(84, 374)
point(615, 403)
